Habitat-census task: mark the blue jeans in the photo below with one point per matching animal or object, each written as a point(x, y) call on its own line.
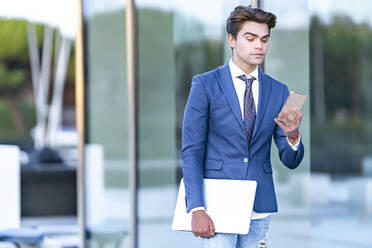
point(257, 232)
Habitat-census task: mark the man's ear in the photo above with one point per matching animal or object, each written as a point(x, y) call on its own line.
point(231, 40)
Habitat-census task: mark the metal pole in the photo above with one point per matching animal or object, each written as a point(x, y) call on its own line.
point(131, 40)
point(258, 4)
point(318, 57)
point(255, 3)
point(80, 99)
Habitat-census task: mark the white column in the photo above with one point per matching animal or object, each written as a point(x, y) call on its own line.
point(10, 207)
point(95, 194)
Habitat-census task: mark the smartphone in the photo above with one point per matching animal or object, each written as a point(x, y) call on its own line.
point(294, 100)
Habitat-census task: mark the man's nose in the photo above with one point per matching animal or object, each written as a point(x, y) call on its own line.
point(258, 44)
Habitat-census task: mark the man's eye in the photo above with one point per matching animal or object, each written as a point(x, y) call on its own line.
point(265, 40)
point(250, 39)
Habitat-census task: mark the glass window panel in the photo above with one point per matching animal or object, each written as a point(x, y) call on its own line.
point(341, 136)
point(176, 41)
point(106, 156)
point(47, 163)
point(288, 61)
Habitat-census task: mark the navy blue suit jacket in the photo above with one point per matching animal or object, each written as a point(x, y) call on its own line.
point(214, 141)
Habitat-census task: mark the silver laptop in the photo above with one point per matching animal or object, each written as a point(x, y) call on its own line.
point(229, 203)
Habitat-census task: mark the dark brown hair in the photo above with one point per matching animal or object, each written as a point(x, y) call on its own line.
point(242, 14)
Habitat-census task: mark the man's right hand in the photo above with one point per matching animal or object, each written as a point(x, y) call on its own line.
point(202, 225)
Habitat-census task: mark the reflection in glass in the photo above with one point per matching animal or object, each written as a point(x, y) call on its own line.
point(341, 134)
point(37, 128)
point(176, 42)
point(288, 61)
point(106, 140)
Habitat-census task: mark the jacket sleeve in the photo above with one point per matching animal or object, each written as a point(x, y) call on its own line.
point(194, 138)
point(289, 157)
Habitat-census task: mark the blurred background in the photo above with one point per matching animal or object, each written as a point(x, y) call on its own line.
point(319, 48)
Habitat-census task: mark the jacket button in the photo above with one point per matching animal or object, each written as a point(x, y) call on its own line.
point(245, 160)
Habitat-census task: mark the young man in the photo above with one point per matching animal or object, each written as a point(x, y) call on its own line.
point(231, 115)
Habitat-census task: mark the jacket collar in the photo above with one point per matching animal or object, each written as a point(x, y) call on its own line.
point(225, 81)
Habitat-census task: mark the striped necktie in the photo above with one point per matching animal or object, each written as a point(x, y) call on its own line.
point(249, 106)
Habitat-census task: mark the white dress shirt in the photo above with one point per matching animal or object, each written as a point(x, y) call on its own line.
point(240, 90)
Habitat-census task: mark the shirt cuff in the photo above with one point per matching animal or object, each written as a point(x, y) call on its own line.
point(295, 146)
point(196, 209)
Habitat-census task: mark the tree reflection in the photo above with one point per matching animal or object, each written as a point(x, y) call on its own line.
point(341, 56)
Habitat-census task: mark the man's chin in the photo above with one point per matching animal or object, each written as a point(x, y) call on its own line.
point(257, 62)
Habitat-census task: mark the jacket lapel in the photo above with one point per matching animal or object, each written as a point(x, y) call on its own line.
point(263, 99)
point(225, 81)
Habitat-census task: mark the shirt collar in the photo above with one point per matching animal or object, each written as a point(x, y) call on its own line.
point(236, 71)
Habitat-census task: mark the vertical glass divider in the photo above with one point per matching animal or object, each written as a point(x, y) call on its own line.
point(80, 99)
point(132, 76)
point(255, 3)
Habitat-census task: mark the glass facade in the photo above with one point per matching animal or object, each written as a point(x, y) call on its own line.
point(38, 137)
point(106, 124)
point(318, 48)
point(288, 61)
point(157, 120)
point(175, 42)
point(38, 120)
point(341, 130)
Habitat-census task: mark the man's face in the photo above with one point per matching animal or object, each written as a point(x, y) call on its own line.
point(251, 43)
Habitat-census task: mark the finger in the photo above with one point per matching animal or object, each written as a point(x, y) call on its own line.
point(285, 129)
point(281, 116)
point(212, 232)
point(205, 234)
point(299, 118)
point(211, 228)
point(298, 114)
point(290, 120)
point(284, 121)
point(279, 123)
point(287, 118)
point(292, 116)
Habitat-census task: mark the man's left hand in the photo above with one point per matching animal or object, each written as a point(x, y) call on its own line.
point(289, 121)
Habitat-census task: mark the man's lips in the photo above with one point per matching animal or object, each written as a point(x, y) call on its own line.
point(258, 54)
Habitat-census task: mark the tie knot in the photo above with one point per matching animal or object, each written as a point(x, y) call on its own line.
point(248, 81)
